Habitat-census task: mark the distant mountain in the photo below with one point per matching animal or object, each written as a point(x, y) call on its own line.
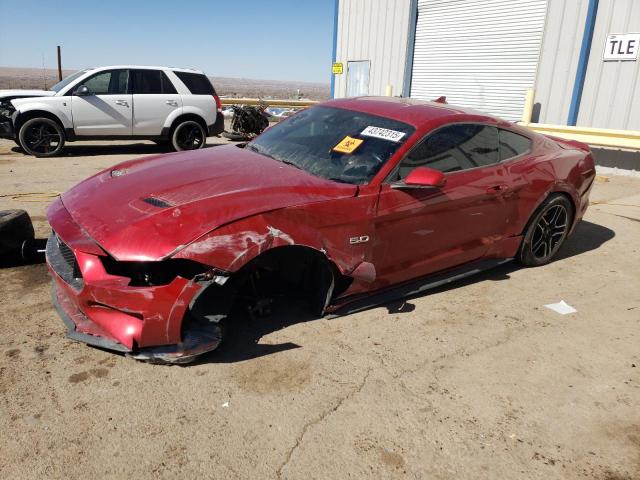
point(226, 87)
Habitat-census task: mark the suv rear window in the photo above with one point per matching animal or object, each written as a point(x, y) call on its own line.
point(151, 81)
point(197, 83)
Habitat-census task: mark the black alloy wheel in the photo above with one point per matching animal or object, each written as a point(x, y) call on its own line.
point(547, 231)
point(189, 135)
point(41, 137)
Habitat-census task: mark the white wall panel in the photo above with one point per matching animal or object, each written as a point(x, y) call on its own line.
point(374, 30)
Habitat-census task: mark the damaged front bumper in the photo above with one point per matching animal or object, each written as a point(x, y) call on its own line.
point(201, 337)
point(148, 323)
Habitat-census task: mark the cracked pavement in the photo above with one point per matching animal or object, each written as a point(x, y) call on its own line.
point(473, 381)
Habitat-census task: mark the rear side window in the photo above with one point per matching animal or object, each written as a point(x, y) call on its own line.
point(197, 83)
point(151, 82)
point(454, 148)
point(512, 144)
point(111, 82)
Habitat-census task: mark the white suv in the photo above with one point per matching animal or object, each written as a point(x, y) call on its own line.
point(167, 105)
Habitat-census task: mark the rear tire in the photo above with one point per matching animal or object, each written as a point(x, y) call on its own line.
point(41, 137)
point(546, 232)
point(236, 137)
point(188, 135)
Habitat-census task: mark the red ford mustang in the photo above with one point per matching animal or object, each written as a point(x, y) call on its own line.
point(345, 204)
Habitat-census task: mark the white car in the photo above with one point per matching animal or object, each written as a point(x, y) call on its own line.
point(168, 105)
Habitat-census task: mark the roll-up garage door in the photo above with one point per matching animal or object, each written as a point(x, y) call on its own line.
point(479, 53)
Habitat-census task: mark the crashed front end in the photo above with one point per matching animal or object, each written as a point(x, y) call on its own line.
point(6, 123)
point(138, 308)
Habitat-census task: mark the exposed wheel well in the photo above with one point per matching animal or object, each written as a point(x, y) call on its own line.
point(293, 271)
point(23, 117)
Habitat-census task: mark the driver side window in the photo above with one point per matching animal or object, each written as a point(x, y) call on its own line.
point(454, 148)
point(111, 82)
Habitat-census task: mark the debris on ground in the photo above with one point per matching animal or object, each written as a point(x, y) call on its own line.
point(562, 307)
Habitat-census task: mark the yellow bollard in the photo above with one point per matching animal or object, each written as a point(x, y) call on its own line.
point(528, 105)
point(389, 91)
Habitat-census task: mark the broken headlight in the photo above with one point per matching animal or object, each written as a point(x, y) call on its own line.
point(147, 274)
point(6, 110)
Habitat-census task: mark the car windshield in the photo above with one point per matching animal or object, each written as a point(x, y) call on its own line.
point(66, 81)
point(341, 145)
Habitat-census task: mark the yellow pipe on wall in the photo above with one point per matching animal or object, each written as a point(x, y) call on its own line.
point(601, 137)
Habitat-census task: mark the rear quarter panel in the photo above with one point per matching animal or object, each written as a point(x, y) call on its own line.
point(549, 168)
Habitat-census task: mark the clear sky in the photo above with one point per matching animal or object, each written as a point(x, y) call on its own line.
point(261, 39)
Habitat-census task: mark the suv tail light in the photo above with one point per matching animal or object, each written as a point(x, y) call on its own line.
point(218, 103)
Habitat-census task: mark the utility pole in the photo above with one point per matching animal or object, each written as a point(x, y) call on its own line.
point(59, 65)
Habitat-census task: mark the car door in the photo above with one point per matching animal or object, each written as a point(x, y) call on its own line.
point(419, 231)
point(105, 110)
point(154, 99)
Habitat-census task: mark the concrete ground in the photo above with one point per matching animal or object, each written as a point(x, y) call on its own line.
point(475, 381)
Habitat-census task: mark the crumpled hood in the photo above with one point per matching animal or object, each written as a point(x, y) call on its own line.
point(148, 209)
point(26, 93)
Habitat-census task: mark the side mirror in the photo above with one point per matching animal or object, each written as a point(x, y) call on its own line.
point(423, 177)
point(82, 91)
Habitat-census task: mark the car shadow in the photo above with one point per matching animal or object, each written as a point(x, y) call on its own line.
point(242, 333)
point(242, 340)
point(112, 148)
point(586, 237)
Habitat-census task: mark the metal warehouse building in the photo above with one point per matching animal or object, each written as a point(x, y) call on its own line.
point(580, 56)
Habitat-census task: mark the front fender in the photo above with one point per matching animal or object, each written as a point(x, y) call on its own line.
point(233, 246)
point(24, 108)
point(328, 227)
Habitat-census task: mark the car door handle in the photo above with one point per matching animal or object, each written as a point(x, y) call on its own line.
point(124, 103)
point(173, 103)
point(498, 189)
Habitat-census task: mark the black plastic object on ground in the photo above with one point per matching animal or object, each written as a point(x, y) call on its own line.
point(247, 122)
point(18, 244)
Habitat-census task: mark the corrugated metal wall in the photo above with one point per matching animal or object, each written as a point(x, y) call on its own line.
point(611, 94)
point(559, 59)
point(479, 53)
point(375, 30)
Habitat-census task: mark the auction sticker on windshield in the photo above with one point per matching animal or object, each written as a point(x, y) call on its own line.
point(348, 145)
point(383, 133)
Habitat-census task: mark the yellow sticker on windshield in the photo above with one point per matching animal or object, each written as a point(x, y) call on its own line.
point(348, 145)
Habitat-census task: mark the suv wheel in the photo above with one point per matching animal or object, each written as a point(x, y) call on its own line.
point(188, 135)
point(41, 137)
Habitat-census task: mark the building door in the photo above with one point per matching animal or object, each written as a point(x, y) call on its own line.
point(481, 54)
point(358, 78)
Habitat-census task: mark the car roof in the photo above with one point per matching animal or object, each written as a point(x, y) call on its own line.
point(412, 111)
point(145, 67)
